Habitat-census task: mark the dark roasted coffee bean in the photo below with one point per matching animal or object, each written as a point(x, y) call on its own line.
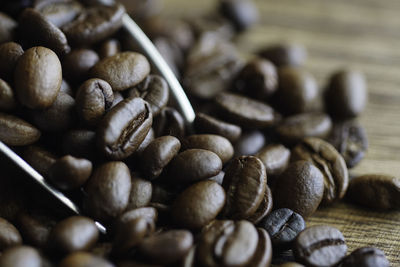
point(79, 143)
point(109, 48)
point(331, 164)
point(172, 54)
point(294, 128)
point(297, 92)
point(227, 243)
point(17, 132)
point(7, 28)
point(350, 139)
point(76, 233)
point(93, 99)
point(132, 68)
point(219, 178)
point(275, 158)
point(169, 122)
point(21, 256)
point(283, 225)
point(158, 154)
point(366, 257)
point(194, 165)
point(244, 111)
point(9, 54)
point(9, 235)
point(66, 88)
point(38, 77)
point(77, 63)
point(84, 259)
point(263, 254)
point(242, 13)
point(377, 191)
point(198, 205)
point(167, 247)
point(244, 183)
point(212, 23)
point(39, 158)
point(142, 9)
point(287, 54)
point(299, 188)
point(69, 173)
point(108, 191)
point(250, 143)
point(148, 213)
point(102, 20)
point(7, 97)
point(124, 127)
point(291, 264)
point(264, 209)
point(147, 140)
point(320, 246)
point(141, 193)
point(347, 94)
point(59, 12)
point(215, 143)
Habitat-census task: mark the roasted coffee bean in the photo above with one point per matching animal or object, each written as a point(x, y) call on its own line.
point(17, 132)
point(376, 191)
point(245, 111)
point(103, 21)
point(250, 143)
point(205, 124)
point(59, 12)
point(366, 257)
point(7, 98)
point(9, 235)
point(118, 97)
point(108, 191)
point(79, 143)
point(141, 193)
point(198, 205)
point(142, 9)
point(172, 54)
point(227, 243)
point(244, 183)
point(283, 225)
point(69, 173)
point(242, 13)
point(35, 30)
point(109, 48)
point(212, 23)
point(297, 92)
point(148, 213)
point(76, 233)
point(147, 140)
point(291, 264)
point(275, 158)
point(285, 54)
point(158, 154)
point(21, 256)
point(9, 54)
point(350, 140)
point(38, 78)
point(194, 165)
point(77, 63)
point(215, 143)
point(66, 88)
point(347, 95)
point(124, 127)
point(169, 122)
point(263, 254)
point(294, 128)
point(264, 209)
point(299, 188)
point(320, 246)
point(93, 99)
point(84, 259)
point(7, 28)
point(219, 178)
point(39, 158)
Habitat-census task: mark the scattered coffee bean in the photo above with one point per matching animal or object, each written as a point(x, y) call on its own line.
point(275, 158)
point(77, 63)
point(84, 259)
point(286, 54)
point(10, 52)
point(17, 132)
point(367, 257)
point(7, 98)
point(21, 256)
point(249, 143)
point(242, 13)
point(9, 235)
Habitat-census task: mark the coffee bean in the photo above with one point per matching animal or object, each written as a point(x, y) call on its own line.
point(275, 158)
point(169, 122)
point(39, 158)
point(376, 191)
point(79, 143)
point(294, 128)
point(93, 99)
point(108, 191)
point(285, 54)
point(263, 254)
point(245, 111)
point(103, 21)
point(244, 183)
point(7, 98)
point(242, 13)
point(300, 188)
point(350, 140)
point(219, 178)
point(320, 246)
point(124, 127)
point(21, 256)
point(58, 12)
point(9, 235)
point(141, 192)
point(212, 23)
point(76, 233)
point(215, 143)
point(367, 257)
point(283, 225)
point(264, 209)
point(140, 9)
point(249, 143)
point(172, 54)
point(347, 94)
point(291, 264)
point(66, 88)
point(77, 63)
point(10, 52)
point(17, 132)
point(198, 205)
point(205, 124)
point(158, 154)
point(7, 28)
point(117, 98)
point(148, 213)
point(132, 68)
point(84, 259)
point(147, 140)
point(227, 243)
point(38, 78)
point(194, 165)
point(109, 48)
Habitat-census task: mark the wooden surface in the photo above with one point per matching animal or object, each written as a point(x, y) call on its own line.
point(364, 34)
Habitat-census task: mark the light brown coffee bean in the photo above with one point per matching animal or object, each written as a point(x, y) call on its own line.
point(17, 132)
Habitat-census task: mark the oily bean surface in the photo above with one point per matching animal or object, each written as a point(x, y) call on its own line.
point(249, 143)
point(367, 257)
point(205, 124)
point(21, 256)
point(275, 158)
point(141, 193)
point(9, 235)
point(264, 208)
point(17, 132)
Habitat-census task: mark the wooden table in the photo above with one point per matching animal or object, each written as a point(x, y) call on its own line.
point(364, 34)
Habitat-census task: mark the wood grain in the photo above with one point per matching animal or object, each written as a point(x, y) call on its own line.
point(362, 34)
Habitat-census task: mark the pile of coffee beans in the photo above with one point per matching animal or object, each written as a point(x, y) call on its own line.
point(267, 147)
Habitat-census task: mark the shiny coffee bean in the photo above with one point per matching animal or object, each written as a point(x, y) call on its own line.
point(21, 256)
point(169, 122)
point(366, 257)
point(242, 13)
point(283, 225)
point(58, 12)
point(300, 188)
point(84, 259)
point(79, 143)
point(10, 52)
point(376, 191)
point(109, 48)
point(263, 255)
point(123, 128)
point(9, 235)
point(285, 54)
point(275, 158)
point(249, 143)
point(77, 63)
point(7, 97)
point(264, 209)
point(17, 132)
point(245, 182)
point(7, 28)
point(147, 140)
point(39, 158)
point(141, 193)
point(198, 205)
point(148, 213)
point(320, 246)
